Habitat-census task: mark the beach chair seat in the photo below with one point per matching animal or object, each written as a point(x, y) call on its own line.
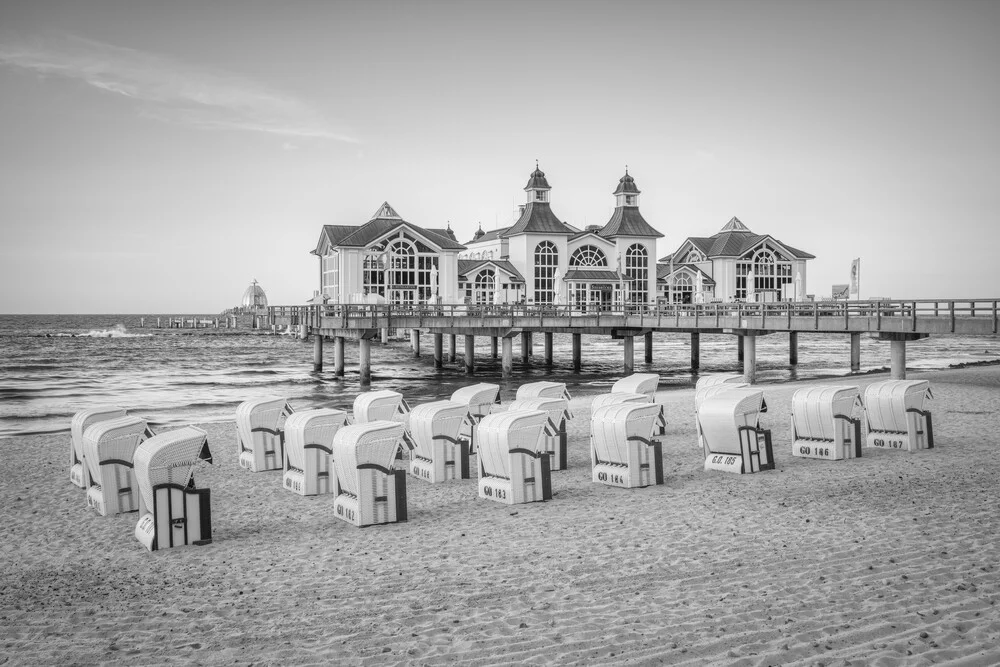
point(734, 440)
point(172, 511)
point(439, 452)
point(713, 379)
point(109, 448)
point(260, 433)
point(701, 394)
point(308, 445)
point(513, 466)
point(545, 390)
point(623, 451)
point(631, 397)
point(79, 474)
point(383, 405)
point(895, 415)
point(554, 438)
point(480, 399)
point(638, 383)
point(368, 490)
point(823, 425)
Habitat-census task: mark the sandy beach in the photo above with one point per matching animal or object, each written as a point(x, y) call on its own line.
point(890, 559)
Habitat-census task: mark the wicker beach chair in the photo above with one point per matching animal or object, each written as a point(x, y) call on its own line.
point(172, 511)
point(622, 449)
point(639, 383)
point(383, 405)
point(703, 393)
point(631, 397)
point(79, 474)
point(440, 454)
point(260, 433)
point(734, 440)
point(554, 438)
point(544, 390)
point(717, 378)
point(513, 467)
point(108, 450)
point(823, 425)
point(895, 415)
point(308, 445)
point(368, 490)
point(480, 399)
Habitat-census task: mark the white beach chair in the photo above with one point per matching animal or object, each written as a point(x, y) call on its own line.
point(368, 490)
point(440, 454)
point(480, 399)
point(823, 425)
point(79, 474)
point(622, 449)
point(260, 433)
point(383, 405)
point(615, 398)
point(308, 446)
point(172, 511)
point(513, 468)
point(554, 439)
point(713, 379)
point(639, 383)
point(701, 394)
point(108, 450)
point(734, 440)
point(895, 415)
point(544, 390)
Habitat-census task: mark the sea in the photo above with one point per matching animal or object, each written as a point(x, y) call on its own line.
point(52, 366)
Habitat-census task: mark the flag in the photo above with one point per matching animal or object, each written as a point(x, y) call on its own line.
point(856, 276)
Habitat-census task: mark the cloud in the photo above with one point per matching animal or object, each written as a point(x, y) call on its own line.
point(173, 91)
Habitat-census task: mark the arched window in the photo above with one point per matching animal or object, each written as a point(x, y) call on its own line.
point(769, 274)
point(637, 273)
point(588, 255)
point(373, 271)
point(546, 261)
point(683, 288)
point(484, 284)
point(695, 256)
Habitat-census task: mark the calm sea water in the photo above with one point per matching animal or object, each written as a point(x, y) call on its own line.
point(54, 365)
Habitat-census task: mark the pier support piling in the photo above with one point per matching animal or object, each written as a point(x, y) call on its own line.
point(384, 335)
point(739, 348)
point(318, 352)
point(507, 358)
point(793, 348)
point(365, 360)
point(493, 347)
point(548, 348)
point(648, 341)
point(525, 346)
point(452, 348)
point(438, 350)
point(897, 367)
point(855, 352)
point(749, 348)
point(577, 346)
point(338, 356)
point(415, 341)
point(629, 350)
point(695, 351)
point(470, 354)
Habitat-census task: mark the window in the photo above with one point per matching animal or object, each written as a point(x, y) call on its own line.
point(683, 288)
point(630, 200)
point(373, 271)
point(546, 261)
point(637, 273)
point(485, 282)
point(588, 255)
point(331, 275)
point(541, 195)
point(769, 273)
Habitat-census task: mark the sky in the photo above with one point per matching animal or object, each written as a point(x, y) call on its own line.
point(156, 157)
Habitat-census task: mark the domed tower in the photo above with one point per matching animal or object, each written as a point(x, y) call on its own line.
point(627, 192)
point(254, 297)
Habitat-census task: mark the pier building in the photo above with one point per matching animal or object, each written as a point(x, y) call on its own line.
point(733, 265)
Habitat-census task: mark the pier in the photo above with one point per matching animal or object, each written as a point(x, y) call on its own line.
point(896, 322)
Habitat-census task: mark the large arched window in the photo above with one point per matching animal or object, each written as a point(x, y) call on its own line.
point(769, 274)
point(484, 284)
point(546, 261)
point(637, 273)
point(588, 255)
point(374, 270)
point(683, 288)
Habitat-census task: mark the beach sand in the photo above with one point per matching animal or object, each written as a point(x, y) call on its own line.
point(890, 559)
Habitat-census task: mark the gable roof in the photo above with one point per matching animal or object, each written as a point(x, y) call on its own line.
point(663, 272)
point(627, 221)
point(386, 219)
point(467, 266)
point(538, 218)
point(734, 240)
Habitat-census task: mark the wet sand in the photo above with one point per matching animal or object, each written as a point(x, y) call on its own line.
point(890, 559)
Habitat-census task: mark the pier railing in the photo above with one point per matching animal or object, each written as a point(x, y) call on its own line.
point(924, 316)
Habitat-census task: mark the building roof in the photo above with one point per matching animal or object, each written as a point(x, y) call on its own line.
point(734, 240)
point(626, 185)
point(592, 274)
point(538, 218)
point(488, 236)
point(467, 266)
point(628, 221)
point(385, 220)
point(663, 272)
point(537, 180)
